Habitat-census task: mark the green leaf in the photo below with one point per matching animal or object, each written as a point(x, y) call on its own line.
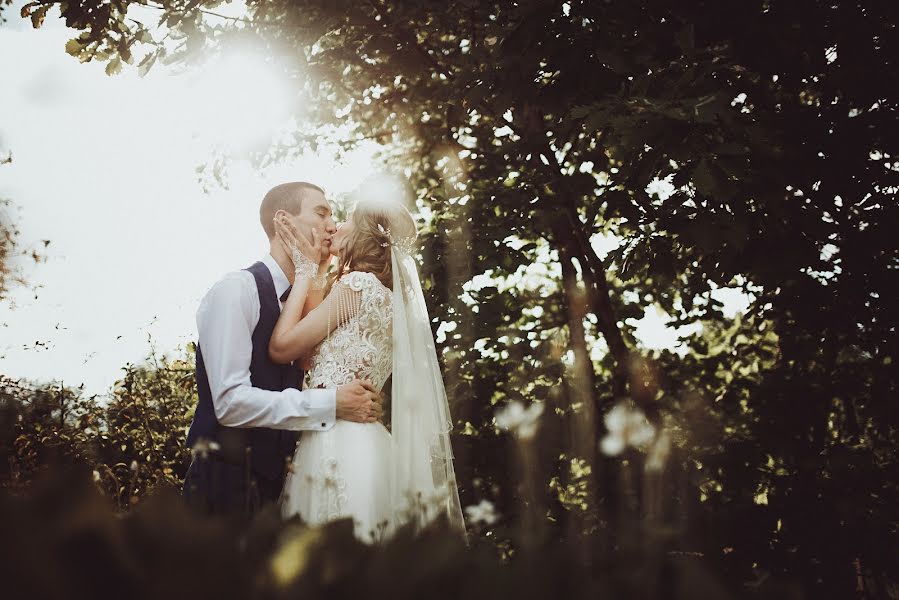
point(26, 10)
point(704, 179)
point(37, 17)
point(630, 311)
point(114, 66)
point(146, 64)
point(705, 235)
point(73, 47)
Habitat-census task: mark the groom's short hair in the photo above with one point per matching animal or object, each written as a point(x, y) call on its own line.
point(287, 196)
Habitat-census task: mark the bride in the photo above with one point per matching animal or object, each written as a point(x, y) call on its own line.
point(367, 322)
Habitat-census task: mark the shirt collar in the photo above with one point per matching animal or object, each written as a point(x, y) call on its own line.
point(278, 276)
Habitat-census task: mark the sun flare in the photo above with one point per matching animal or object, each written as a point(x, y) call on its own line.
point(242, 101)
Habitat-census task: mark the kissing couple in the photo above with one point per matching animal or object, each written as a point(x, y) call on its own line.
point(292, 358)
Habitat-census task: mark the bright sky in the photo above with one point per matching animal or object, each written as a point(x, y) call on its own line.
point(104, 168)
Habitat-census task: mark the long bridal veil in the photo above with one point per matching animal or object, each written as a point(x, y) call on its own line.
point(424, 478)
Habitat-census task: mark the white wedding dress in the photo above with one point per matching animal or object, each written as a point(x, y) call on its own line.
point(346, 470)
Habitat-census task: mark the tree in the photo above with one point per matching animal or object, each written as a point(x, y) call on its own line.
point(10, 274)
point(8, 235)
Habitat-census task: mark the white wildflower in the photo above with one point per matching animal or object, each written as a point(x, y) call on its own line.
point(521, 421)
point(658, 452)
point(438, 495)
point(203, 447)
point(96, 476)
point(484, 512)
point(627, 427)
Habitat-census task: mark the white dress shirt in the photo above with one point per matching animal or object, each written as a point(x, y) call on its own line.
point(227, 316)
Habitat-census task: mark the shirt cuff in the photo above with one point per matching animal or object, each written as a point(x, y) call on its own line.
point(319, 407)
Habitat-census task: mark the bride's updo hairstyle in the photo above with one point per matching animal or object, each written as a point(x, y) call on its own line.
point(367, 248)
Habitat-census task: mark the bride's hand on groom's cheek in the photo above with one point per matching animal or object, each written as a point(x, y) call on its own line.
point(293, 241)
point(359, 401)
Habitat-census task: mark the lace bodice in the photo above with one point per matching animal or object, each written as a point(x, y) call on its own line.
point(361, 347)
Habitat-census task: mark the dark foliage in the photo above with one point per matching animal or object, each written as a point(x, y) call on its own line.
point(131, 441)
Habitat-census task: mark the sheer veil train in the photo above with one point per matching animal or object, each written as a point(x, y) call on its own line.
point(424, 480)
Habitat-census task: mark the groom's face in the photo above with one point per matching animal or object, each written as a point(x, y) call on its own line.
point(316, 214)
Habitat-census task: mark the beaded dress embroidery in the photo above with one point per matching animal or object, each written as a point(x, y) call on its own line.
point(361, 347)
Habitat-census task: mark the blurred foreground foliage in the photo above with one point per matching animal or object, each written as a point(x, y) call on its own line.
point(90, 508)
point(65, 541)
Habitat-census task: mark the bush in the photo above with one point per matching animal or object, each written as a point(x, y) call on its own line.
point(132, 440)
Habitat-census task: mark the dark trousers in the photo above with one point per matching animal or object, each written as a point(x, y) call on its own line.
point(216, 487)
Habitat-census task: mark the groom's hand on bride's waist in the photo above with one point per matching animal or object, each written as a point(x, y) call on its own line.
point(359, 401)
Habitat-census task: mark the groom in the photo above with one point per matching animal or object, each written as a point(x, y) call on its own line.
point(250, 408)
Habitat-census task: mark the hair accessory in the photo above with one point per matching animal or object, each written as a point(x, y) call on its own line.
point(404, 244)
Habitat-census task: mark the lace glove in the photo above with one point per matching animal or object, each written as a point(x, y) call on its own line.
point(306, 268)
point(305, 255)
